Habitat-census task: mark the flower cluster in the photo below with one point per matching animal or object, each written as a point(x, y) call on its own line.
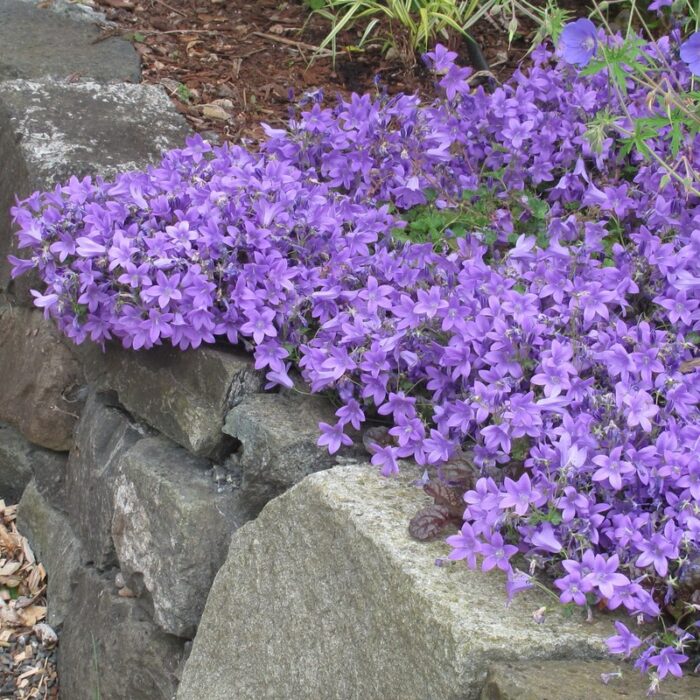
point(553, 341)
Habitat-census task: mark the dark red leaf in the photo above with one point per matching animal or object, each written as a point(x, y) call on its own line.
point(428, 523)
point(460, 471)
point(445, 495)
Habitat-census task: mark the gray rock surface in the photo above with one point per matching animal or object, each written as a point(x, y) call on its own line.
point(15, 467)
point(103, 435)
point(51, 130)
point(325, 595)
point(81, 10)
point(172, 527)
point(184, 395)
point(55, 546)
point(579, 680)
point(110, 649)
point(39, 377)
point(20, 460)
point(36, 42)
point(278, 435)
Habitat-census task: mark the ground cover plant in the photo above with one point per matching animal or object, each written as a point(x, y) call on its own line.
point(508, 279)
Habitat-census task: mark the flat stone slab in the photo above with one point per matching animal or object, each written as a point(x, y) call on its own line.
point(36, 42)
point(325, 595)
point(580, 680)
point(184, 395)
point(51, 130)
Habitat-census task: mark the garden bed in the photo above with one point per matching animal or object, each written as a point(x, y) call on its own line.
point(251, 54)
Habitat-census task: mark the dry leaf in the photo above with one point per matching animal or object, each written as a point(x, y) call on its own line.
point(33, 614)
point(212, 111)
point(9, 568)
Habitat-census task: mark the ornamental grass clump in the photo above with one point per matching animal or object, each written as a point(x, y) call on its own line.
point(476, 274)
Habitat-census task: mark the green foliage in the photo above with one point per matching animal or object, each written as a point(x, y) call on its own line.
point(428, 223)
point(475, 213)
point(414, 25)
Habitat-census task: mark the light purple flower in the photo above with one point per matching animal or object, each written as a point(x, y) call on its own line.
point(465, 545)
point(333, 437)
point(496, 553)
point(668, 660)
point(690, 53)
point(624, 642)
point(578, 42)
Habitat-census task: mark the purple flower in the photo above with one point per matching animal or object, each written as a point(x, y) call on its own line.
point(578, 42)
point(657, 550)
point(164, 290)
point(545, 539)
point(640, 409)
point(440, 59)
point(668, 660)
point(386, 458)
point(465, 545)
point(333, 437)
point(573, 588)
point(519, 494)
point(690, 53)
point(624, 642)
point(259, 324)
point(496, 553)
point(604, 575)
point(612, 468)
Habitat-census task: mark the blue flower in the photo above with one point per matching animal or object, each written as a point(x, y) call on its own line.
point(690, 53)
point(578, 42)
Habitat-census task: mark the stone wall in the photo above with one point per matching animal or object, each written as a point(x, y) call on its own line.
point(129, 488)
point(141, 476)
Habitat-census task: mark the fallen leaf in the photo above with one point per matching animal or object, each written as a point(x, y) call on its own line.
point(33, 614)
point(213, 111)
point(9, 568)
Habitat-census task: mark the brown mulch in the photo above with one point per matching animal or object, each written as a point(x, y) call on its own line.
point(27, 643)
point(230, 64)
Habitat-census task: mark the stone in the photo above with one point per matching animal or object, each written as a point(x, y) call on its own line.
point(278, 435)
point(110, 648)
point(55, 545)
point(580, 680)
point(39, 377)
point(51, 130)
point(172, 527)
point(36, 43)
point(184, 395)
point(103, 435)
point(20, 460)
point(15, 468)
point(81, 10)
point(325, 595)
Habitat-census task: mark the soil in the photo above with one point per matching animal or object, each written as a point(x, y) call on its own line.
point(230, 64)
